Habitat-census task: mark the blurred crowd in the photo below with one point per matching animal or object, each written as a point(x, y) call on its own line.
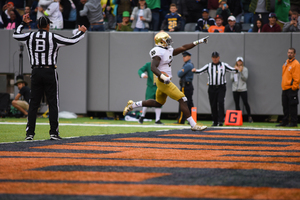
point(155, 15)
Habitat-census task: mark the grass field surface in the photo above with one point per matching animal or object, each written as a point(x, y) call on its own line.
point(13, 129)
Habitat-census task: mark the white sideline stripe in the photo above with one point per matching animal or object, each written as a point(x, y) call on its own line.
point(103, 125)
point(153, 126)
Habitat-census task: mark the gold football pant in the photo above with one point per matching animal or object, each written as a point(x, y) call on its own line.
point(165, 90)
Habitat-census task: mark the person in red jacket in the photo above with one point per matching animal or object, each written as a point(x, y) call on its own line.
point(272, 26)
point(290, 87)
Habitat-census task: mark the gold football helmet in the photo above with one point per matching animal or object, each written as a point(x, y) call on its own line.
point(163, 39)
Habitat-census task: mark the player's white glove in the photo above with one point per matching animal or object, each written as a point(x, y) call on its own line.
point(202, 40)
point(166, 79)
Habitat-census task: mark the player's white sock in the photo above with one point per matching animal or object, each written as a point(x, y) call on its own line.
point(157, 114)
point(137, 104)
point(144, 112)
point(191, 121)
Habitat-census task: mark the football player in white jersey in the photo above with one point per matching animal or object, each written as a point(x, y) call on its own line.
point(162, 56)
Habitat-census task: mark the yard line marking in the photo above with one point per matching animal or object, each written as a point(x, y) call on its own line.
point(150, 126)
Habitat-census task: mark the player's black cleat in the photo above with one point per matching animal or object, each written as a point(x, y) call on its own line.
point(141, 120)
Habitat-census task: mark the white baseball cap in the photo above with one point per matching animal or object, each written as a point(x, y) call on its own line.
point(239, 58)
point(231, 18)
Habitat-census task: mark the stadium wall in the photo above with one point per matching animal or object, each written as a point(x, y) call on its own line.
point(99, 73)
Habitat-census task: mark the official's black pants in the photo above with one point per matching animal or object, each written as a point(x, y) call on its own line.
point(290, 103)
point(216, 96)
point(188, 90)
point(43, 81)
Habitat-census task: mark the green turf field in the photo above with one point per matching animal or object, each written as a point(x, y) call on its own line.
point(85, 126)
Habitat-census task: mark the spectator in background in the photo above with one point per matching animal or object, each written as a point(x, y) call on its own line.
point(93, 10)
point(123, 5)
point(295, 5)
point(19, 6)
point(261, 9)
point(212, 6)
point(172, 21)
point(81, 20)
point(294, 24)
point(194, 9)
point(125, 25)
point(69, 13)
point(218, 28)
point(140, 17)
point(205, 22)
point(282, 8)
point(239, 86)
point(24, 93)
point(182, 10)
point(232, 26)
point(154, 6)
point(248, 16)
point(235, 7)
point(165, 8)
point(257, 26)
point(54, 14)
point(12, 19)
point(108, 13)
point(32, 14)
point(290, 87)
point(272, 26)
point(224, 11)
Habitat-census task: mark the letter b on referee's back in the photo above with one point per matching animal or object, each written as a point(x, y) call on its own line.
point(234, 118)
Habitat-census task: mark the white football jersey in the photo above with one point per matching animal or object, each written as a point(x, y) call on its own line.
point(166, 56)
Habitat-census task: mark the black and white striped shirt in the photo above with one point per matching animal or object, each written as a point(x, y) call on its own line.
point(43, 46)
point(216, 72)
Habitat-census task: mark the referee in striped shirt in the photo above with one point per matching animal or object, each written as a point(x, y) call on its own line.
point(216, 71)
point(43, 47)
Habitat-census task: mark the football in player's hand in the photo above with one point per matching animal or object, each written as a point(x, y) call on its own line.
point(165, 73)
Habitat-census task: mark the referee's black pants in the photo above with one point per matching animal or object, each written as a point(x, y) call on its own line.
point(290, 103)
point(43, 81)
point(216, 96)
point(188, 90)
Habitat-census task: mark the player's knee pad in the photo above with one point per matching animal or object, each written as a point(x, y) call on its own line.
point(184, 99)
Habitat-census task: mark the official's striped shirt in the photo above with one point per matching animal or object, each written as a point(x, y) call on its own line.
point(216, 72)
point(43, 46)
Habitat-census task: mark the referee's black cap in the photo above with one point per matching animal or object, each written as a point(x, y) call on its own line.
point(186, 54)
point(43, 22)
point(215, 54)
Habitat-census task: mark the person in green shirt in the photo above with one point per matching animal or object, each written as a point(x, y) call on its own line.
point(282, 8)
point(155, 7)
point(125, 25)
point(145, 72)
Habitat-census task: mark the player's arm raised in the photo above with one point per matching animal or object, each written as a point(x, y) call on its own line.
point(189, 46)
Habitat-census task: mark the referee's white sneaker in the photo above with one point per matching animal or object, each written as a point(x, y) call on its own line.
point(198, 128)
point(128, 108)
